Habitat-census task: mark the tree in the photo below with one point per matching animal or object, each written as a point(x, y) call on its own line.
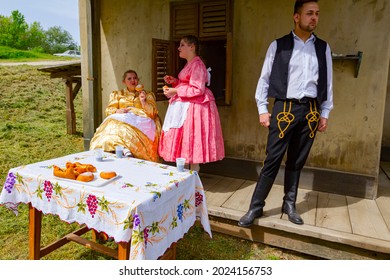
point(19, 29)
point(16, 33)
point(5, 36)
point(13, 30)
point(36, 36)
point(58, 40)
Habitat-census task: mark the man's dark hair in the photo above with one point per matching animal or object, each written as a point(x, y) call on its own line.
point(299, 3)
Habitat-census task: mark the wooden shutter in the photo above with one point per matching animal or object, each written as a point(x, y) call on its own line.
point(214, 18)
point(162, 61)
point(211, 22)
point(184, 19)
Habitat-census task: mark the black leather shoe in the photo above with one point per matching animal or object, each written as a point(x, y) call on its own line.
point(292, 214)
point(249, 217)
point(291, 181)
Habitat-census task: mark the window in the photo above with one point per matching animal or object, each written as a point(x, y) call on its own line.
point(211, 22)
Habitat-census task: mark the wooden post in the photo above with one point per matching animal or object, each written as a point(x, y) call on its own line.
point(34, 236)
point(70, 114)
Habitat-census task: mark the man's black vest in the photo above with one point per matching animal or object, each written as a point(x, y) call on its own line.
point(279, 72)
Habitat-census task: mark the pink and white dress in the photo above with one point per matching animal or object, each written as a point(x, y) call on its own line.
point(192, 128)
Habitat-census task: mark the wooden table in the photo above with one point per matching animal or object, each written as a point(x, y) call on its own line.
point(146, 209)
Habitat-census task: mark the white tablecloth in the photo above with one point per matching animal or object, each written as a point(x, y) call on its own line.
point(149, 203)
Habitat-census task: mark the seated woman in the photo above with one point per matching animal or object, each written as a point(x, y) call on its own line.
point(132, 121)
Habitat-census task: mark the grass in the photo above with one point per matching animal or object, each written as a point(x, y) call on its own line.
point(32, 129)
point(8, 54)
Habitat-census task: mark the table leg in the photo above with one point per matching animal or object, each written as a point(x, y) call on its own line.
point(123, 250)
point(34, 236)
point(170, 253)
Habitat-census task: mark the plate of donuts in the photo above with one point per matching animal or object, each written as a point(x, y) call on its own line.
point(85, 174)
point(92, 179)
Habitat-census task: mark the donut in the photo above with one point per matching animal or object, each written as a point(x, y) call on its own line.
point(107, 174)
point(67, 173)
point(85, 177)
point(80, 167)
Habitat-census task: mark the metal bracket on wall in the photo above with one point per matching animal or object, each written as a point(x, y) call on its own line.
point(358, 57)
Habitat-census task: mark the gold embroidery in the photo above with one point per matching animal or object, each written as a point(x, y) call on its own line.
point(285, 117)
point(313, 117)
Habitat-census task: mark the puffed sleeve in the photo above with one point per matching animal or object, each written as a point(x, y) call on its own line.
point(113, 104)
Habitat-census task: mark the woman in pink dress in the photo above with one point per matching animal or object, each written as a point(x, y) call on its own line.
point(192, 128)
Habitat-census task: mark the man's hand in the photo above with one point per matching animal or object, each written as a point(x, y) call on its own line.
point(323, 124)
point(265, 119)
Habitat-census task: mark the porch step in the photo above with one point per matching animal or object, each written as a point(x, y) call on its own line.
point(307, 239)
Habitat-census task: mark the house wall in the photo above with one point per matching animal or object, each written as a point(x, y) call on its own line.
point(127, 29)
point(353, 140)
point(386, 124)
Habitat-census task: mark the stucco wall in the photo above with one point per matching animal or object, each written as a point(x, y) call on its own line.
point(127, 29)
point(352, 142)
point(386, 123)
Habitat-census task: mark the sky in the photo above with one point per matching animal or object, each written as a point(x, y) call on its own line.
point(48, 13)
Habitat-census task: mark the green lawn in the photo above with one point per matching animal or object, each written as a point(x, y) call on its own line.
point(8, 54)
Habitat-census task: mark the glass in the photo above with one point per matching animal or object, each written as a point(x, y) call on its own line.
point(180, 162)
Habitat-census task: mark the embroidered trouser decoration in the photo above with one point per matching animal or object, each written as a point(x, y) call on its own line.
point(313, 118)
point(285, 117)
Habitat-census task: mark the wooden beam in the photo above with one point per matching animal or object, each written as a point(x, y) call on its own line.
point(61, 242)
point(92, 101)
point(66, 73)
point(92, 245)
point(70, 113)
point(76, 88)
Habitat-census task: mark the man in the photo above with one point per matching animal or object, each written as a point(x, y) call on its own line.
point(297, 72)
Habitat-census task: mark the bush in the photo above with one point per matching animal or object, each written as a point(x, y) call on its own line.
point(38, 50)
point(7, 53)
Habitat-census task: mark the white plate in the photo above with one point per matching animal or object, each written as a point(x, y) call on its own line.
point(96, 182)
